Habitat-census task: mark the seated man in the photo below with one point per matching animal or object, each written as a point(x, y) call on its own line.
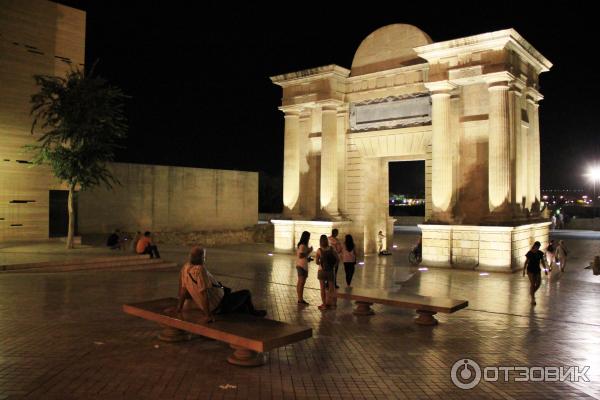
point(146, 246)
point(196, 283)
point(114, 240)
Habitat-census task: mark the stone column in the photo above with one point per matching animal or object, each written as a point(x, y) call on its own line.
point(535, 151)
point(329, 164)
point(291, 163)
point(441, 148)
point(308, 191)
point(520, 152)
point(499, 168)
point(342, 118)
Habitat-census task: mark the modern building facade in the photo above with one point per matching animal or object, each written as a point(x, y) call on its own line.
point(36, 37)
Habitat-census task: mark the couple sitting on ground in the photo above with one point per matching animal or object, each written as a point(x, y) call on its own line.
point(198, 289)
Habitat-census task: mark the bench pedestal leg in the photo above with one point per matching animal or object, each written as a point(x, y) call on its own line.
point(245, 357)
point(170, 334)
point(363, 308)
point(426, 318)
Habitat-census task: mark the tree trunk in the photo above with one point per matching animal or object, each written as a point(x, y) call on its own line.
point(71, 218)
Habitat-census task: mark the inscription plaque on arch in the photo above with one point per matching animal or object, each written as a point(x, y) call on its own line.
point(390, 112)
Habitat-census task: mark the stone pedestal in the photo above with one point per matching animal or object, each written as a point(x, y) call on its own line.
point(485, 248)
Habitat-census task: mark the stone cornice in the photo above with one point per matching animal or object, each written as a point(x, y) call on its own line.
point(507, 38)
point(311, 74)
point(389, 72)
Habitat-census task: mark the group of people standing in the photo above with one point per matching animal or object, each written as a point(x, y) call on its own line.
point(554, 260)
point(330, 254)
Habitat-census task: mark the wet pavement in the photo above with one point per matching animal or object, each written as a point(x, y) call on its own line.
point(64, 336)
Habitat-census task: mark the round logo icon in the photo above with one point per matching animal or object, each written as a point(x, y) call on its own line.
point(465, 373)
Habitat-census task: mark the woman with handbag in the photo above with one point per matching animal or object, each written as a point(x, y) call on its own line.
point(327, 258)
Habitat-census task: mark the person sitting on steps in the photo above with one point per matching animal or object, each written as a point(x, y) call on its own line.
point(146, 246)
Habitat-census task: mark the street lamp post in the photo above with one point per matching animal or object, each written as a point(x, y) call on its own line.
point(594, 175)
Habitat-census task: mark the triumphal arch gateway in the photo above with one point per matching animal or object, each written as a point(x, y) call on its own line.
point(468, 107)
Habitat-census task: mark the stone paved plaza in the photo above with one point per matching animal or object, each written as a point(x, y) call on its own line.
point(64, 336)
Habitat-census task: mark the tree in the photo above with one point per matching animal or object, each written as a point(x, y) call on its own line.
point(82, 122)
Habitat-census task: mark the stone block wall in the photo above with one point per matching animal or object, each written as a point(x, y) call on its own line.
point(487, 248)
point(170, 199)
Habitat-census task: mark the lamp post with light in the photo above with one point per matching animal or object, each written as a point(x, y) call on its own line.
point(594, 176)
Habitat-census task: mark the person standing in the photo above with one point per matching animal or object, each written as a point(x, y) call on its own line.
point(302, 254)
point(327, 258)
point(349, 258)
point(337, 246)
point(380, 237)
point(561, 255)
point(533, 258)
point(551, 254)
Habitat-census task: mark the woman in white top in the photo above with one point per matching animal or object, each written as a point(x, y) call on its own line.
point(349, 258)
point(302, 254)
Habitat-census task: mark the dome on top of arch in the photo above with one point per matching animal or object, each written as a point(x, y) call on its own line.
point(389, 47)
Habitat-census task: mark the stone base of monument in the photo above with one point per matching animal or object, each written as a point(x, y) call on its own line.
point(484, 248)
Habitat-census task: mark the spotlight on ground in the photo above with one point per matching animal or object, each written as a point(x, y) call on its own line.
point(423, 269)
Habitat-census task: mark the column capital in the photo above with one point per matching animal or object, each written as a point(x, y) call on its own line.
point(343, 109)
point(291, 111)
point(533, 96)
point(499, 80)
point(330, 105)
point(440, 87)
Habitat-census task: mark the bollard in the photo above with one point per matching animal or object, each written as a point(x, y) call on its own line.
point(596, 265)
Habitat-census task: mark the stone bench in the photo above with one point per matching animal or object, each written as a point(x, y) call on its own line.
point(426, 306)
point(249, 336)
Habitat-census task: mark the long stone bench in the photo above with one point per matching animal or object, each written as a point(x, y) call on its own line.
point(249, 336)
point(426, 306)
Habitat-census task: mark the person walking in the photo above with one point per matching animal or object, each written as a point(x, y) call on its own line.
point(302, 254)
point(349, 259)
point(551, 254)
point(561, 255)
point(327, 258)
point(533, 258)
point(337, 246)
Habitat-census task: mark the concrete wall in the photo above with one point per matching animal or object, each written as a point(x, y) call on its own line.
point(171, 199)
point(592, 224)
point(36, 37)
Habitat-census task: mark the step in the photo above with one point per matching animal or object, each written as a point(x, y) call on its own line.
point(148, 265)
point(104, 264)
point(81, 261)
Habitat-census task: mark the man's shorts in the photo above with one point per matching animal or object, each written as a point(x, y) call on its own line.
point(302, 273)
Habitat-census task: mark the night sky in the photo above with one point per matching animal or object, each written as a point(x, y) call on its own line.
point(199, 83)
